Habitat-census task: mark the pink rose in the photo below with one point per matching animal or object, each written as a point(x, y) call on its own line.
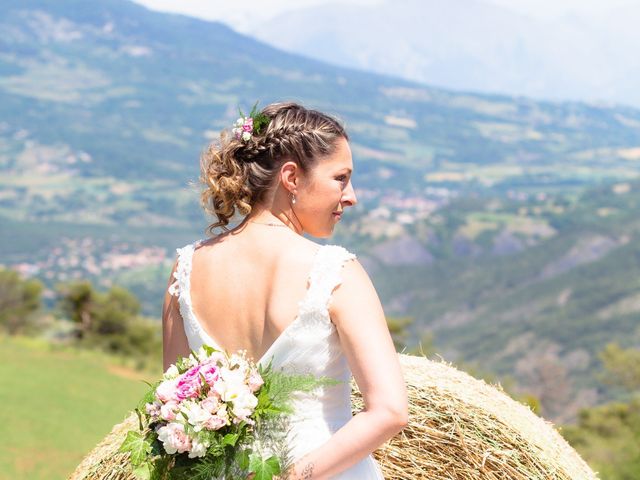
point(166, 391)
point(215, 422)
point(248, 125)
point(174, 438)
point(189, 384)
point(211, 404)
point(211, 373)
point(168, 410)
point(188, 390)
point(255, 381)
point(191, 373)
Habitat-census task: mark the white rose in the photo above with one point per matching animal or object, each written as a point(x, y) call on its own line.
point(171, 373)
point(238, 360)
point(217, 358)
point(166, 391)
point(196, 415)
point(192, 361)
point(244, 405)
point(198, 448)
point(202, 354)
point(233, 375)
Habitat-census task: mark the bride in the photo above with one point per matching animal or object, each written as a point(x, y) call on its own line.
point(265, 288)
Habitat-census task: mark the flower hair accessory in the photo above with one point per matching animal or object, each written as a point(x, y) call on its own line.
point(246, 127)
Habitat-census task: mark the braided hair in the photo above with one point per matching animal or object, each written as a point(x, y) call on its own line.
point(236, 175)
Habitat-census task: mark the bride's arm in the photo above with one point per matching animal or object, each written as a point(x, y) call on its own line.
point(359, 318)
point(174, 340)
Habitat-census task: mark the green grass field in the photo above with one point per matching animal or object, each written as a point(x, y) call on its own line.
point(57, 403)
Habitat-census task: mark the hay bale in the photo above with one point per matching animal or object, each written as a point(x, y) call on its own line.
point(459, 428)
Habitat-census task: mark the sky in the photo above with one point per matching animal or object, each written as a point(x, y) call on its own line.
point(589, 47)
point(243, 15)
point(551, 9)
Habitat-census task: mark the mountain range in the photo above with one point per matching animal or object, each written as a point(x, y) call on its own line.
point(472, 45)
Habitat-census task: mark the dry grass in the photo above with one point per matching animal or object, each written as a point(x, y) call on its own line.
point(459, 428)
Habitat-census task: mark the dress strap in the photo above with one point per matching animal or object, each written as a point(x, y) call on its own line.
point(182, 272)
point(326, 275)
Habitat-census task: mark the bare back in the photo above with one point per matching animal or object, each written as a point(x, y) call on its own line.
point(245, 296)
point(275, 302)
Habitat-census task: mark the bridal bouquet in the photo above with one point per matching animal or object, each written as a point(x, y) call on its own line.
point(214, 415)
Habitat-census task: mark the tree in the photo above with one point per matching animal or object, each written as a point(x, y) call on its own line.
point(544, 383)
point(398, 329)
point(622, 367)
point(608, 436)
point(19, 300)
point(114, 311)
point(78, 302)
point(111, 321)
point(425, 346)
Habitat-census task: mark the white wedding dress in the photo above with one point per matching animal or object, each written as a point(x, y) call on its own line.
point(310, 344)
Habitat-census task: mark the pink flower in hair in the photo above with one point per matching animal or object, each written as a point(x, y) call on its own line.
point(247, 126)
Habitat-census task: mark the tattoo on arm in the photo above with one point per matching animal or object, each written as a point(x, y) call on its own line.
point(307, 471)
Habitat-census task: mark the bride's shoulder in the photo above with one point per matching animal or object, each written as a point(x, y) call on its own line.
point(340, 251)
point(334, 254)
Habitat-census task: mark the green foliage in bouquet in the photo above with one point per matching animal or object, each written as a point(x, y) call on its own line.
point(254, 445)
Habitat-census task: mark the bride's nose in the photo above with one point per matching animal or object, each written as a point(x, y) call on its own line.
point(349, 195)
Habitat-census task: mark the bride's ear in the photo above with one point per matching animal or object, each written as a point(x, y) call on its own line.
point(290, 175)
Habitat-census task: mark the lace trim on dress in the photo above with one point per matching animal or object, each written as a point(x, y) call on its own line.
point(325, 277)
point(183, 269)
point(181, 288)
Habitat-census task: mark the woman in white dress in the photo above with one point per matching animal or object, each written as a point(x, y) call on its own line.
point(265, 288)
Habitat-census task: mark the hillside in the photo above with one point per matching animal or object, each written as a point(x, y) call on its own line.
point(504, 226)
point(111, 103)
point(104, 108)
point(528, 289)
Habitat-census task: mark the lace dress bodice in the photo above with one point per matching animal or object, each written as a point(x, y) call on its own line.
point(309, 344)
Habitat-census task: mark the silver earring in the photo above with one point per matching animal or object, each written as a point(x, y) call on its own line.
point(293, 199)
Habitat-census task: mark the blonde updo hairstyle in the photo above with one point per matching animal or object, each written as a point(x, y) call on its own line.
point(237, 175)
